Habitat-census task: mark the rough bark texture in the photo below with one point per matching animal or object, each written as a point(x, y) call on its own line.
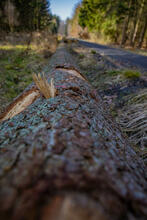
point(142, 34)
point(64, 158)
point(125, 26)
point(140, 13)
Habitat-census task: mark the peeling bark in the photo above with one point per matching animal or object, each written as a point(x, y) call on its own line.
point(65, 158)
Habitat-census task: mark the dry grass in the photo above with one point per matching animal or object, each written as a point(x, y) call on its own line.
point(44, 42)
point(47, 89)
point(133, 119)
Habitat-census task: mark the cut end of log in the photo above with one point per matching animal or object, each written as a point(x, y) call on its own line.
point(73, 207)
point(20, 104)
point(72, 71)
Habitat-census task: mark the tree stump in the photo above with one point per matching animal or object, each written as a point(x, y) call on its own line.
point(65, 158)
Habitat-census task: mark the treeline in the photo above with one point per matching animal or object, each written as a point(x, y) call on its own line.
point(27, 15)
point(122, 22)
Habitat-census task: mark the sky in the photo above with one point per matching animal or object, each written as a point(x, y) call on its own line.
point(63, 8)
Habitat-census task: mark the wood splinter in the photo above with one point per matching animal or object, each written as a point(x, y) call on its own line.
point(47, 89)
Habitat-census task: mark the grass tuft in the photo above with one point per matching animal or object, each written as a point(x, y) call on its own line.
point(133, 119)
point(130, 74)
point(81, 56)
point(113, 72)
point(93, 51)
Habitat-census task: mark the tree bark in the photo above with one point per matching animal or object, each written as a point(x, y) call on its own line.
point(142, 34)
point(65, 158)
point(125, 26)
point(140, 13)
point(133, 28)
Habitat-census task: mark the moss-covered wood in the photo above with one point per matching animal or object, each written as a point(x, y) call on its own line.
point(65, 158)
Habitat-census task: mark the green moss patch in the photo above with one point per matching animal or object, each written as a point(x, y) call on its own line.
point(93, 51)
point(130, 74)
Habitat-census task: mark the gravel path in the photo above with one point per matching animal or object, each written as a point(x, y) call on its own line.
point(123, 58)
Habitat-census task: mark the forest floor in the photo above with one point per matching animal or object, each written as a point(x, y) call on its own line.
point(123, 89)
point(17, 64)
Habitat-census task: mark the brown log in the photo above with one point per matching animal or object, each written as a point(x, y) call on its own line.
point(65, 158)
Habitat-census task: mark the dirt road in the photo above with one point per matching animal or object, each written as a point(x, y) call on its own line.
point(119, 56)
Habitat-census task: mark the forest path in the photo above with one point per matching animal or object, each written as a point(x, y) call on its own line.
point(119, 56)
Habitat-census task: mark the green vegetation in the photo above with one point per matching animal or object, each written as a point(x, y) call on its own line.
point(100, 74)
point(136, 123)
point(113, 72)
point(93, 51)
point(139, 98)
point(81, 56)
point(138, 51)
point(72, 27)
point(120, 22)
point(130, 74)
point(126, 100)
point(16, 67)
point(27, 39)
point(24, 15)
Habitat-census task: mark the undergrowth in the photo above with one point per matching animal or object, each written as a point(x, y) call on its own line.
point(127, 73)
point(17, 63)
point(131, 74)
point(133, 119)
point(124, 91)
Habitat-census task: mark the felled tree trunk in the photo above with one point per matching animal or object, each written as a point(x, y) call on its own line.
point(65, 158)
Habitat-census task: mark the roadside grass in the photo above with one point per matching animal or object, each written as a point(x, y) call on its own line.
point(99, 73)
point(106, 41)
point(112, 77)
point(113, 72)
point(101, 39)
point(93, 51)
point(124, 92)
point(17, 63)
point(81, 56)
point(142, 52)
point(132, 74)
point(133, 119)
point(126, 73)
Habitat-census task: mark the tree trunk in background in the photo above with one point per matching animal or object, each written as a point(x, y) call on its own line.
point(138, 22)
point(65, 158)
point(124, 32)
point(10, 14)
point(133, 28)
point(125, 26)
point(142, 34)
